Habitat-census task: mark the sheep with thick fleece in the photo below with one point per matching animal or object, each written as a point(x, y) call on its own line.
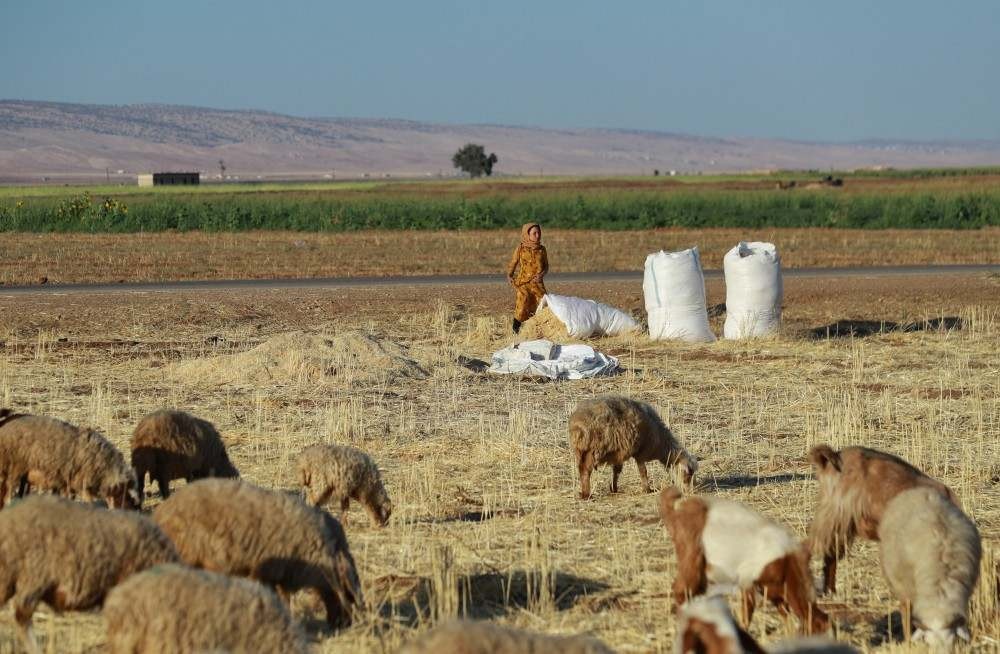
point(206, 612)
point(612, 430)
point(855, 486)
point(725, 544)
point(930, 556)
point(57, 456)
point(231, 526)
point(170, 444)
point(706, 626)
point(338, 474)
point(69, 555)
point(475, 637)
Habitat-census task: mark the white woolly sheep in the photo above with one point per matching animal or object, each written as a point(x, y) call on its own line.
point(170, 444)
point(724, 544)
point(930, 556)
point(855, 486)
point(57, 456)
point(69, 555)
point(706, 626)
point(337, 474)
point(230, 526)
point(206, 612)
point(468, 637)
point(612, 430)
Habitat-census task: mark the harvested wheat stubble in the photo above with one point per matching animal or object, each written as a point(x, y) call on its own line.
point(348, 357)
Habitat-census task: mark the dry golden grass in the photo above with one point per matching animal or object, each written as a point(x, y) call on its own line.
point(74, 258)
point(486, 523)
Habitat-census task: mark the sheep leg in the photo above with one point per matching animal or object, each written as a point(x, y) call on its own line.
point(644, 476)
point(748, 604)
point(616, 470)
point(585, 464)
point(830, 573)
point(140, 482)
point(906, 616)
point(337, 615)
point(345, 503)
point(163, 483)
point(24, 608)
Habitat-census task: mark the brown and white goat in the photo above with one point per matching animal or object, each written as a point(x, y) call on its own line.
point(724, 544)
point(855, 486)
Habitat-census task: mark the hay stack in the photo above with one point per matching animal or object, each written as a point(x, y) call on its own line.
point(348, 357)
point(545, 324)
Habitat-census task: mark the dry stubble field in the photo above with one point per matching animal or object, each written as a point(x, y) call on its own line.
point(486, 520)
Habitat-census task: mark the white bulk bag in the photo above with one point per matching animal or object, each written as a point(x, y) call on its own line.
point(753, 290)
point(585, 318)
point(543, 358)
point(674, 288)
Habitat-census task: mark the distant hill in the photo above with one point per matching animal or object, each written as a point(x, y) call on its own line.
point(81, 141)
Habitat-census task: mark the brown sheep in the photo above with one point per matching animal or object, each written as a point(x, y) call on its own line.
point(230, 526)
point(612, 430)
point(54, 455)
point(468, 637)
point(724, 543)
point(338, 474)
point(69, 555)
point(855, 486)
point(206, 612)
point(931, 553)
point(706, 626)
point(170, 444)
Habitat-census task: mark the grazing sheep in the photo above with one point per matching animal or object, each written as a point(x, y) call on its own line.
point(69, 555)
point(207, 612)
point(612, 430)
point(338, 474)
point(855, 486)
point(230, 526)
point(706, 626)
point(468, 637)
point(930, 556)
point(169, 444)
point(54, 455)
point(725, 544)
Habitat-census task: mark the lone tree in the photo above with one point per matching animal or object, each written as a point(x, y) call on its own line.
point(472, 159)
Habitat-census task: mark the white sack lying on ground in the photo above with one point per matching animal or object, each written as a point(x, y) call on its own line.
point(586, 318)
point(753, 290)
point(674, 289)
point(544, 358)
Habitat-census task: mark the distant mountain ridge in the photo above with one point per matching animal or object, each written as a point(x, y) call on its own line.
point(51, 139)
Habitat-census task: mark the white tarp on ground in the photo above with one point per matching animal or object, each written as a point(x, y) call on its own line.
point(674, 289)
point(753, 290)
point(543, 358)
point(586, 318)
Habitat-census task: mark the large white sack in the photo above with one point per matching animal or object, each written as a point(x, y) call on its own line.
point(753, 290)
point(674, 289)
point(586, 318)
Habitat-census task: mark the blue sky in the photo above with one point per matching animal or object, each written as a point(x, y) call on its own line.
point(819, 71)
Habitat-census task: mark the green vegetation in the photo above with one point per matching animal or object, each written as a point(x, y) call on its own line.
point(615, 209)
point(940, 198)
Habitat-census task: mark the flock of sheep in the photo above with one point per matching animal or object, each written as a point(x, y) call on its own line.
point(228, 553)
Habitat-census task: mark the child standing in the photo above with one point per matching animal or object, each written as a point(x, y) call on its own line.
point(527, 267)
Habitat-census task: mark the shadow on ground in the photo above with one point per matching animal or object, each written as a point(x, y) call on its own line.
point(750, 481)
point(865, 328)
point(409, 599)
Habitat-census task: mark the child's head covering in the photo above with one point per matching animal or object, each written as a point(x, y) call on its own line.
point(526, 240)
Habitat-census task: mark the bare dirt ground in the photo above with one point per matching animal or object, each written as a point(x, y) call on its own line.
point(75, 258)
point(486, 523)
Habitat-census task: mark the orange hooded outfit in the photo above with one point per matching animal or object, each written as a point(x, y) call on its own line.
point(527, 266)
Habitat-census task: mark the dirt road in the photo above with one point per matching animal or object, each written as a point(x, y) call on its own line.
point(243, 285)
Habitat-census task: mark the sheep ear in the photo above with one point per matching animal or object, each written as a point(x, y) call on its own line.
point(824, 457)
